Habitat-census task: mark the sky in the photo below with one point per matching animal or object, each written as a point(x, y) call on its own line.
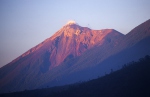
point(26, 23)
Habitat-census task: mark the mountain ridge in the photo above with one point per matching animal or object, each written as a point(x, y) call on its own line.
point(66, 32)
point(72, 54)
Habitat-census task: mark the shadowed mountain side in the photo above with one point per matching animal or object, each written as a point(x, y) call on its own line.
point(74, 54)
point(137, 34)
point(93, 63)
point(40, 64)
point(130, 81)
point(81, 72)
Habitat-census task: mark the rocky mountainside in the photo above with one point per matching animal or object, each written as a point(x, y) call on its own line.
point(68, 43)
point(73, 54)
point(130, 47)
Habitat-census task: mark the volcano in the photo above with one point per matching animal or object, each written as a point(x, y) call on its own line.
point(73, 54)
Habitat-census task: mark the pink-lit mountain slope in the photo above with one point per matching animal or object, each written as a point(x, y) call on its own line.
point(131, 47)
point(69, 42)
point(73, 54)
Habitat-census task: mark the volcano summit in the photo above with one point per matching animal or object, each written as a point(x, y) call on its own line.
point(72, 54)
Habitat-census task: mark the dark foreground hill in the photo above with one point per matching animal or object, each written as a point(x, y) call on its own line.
point(133, 80)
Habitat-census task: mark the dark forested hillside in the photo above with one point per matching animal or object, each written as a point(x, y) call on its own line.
point(133, 80)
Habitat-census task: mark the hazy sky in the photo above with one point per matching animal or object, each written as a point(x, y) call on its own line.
point(26, 23)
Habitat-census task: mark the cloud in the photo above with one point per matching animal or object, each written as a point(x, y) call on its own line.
point(71, 22)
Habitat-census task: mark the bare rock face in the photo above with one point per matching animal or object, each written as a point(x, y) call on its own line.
point(71, 40)
point(74, 40)
point(30, 70)
point(47, 62)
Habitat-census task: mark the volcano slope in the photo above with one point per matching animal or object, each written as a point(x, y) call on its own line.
point(73, 54)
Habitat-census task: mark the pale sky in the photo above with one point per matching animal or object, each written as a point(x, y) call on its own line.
point(26, 23)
